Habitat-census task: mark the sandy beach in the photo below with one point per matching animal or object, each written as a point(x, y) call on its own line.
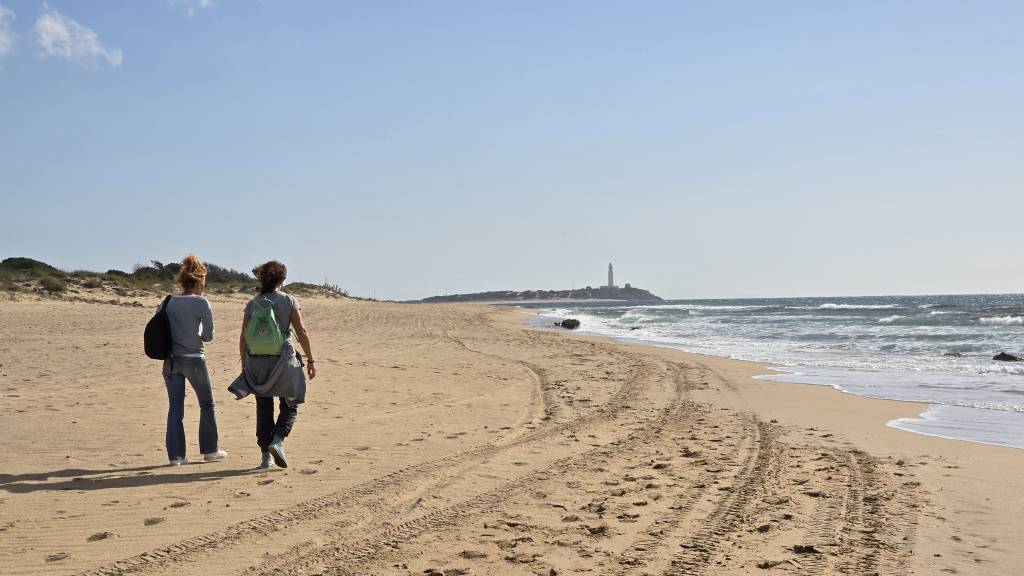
point(453, 439)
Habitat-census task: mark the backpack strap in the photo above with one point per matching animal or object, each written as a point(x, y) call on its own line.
point(163, 310)
point(287, 333)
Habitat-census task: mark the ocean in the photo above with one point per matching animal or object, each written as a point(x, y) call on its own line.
point(932, 349)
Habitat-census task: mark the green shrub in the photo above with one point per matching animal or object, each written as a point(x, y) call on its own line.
point(154, 277)
point(53, 284)
point(26, 265)
point(7, 281)
point(218, 274)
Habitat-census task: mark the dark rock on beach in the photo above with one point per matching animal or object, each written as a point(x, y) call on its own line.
point(569, 323)
point(1004, 357)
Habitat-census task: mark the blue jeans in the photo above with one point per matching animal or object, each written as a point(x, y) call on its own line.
point(175, 373)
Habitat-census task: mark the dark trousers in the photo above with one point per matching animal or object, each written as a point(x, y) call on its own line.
point(266, 428)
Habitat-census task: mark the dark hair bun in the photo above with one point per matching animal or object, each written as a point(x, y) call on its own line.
point(271, 275)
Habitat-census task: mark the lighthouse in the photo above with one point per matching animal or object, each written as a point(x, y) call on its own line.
point(611, 276)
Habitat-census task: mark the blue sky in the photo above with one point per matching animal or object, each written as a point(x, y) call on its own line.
point(406, 149)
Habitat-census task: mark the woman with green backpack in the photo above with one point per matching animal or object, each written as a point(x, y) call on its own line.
point(271, 367)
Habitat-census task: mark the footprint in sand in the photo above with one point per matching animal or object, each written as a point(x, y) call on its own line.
point(57, 557)
point(100, 536)
point(153, 521)
point(472, 555)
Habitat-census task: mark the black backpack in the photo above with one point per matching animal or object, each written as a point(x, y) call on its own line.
point(157, 338)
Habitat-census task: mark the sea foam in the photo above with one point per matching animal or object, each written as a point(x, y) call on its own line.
point(833, 306)
point(1002, 321)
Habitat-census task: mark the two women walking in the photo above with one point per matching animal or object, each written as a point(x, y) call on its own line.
point(271, 368)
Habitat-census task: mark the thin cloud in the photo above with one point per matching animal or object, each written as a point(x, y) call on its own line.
point(189, 6)
point(62, 37)
point(7, 36)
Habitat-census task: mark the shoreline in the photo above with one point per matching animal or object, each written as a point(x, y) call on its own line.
point(987, 419)
point(966, 479)
point(453, 437)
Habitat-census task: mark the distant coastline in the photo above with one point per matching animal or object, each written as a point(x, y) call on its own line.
point(625, 293)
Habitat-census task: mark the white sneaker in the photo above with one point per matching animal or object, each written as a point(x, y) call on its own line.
point(215, 456)
point(178, 461)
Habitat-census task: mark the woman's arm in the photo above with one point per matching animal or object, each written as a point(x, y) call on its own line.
point(207, 322)
point(303, 336)
point(241, 339)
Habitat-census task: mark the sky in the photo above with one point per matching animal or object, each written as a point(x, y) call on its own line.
point(407, 149)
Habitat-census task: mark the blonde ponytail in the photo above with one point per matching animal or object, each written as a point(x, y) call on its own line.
point(192, 273)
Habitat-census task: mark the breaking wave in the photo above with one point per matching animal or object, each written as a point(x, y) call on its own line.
point(1002, 321)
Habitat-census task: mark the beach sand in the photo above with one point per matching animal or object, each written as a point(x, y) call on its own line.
point(453, 438)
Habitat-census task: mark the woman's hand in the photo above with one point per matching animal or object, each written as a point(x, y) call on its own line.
point(311, 370)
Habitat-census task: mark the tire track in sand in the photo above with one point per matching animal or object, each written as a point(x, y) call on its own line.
point(727, 514)
point(829, 510)
point(640, 552)
point(341, 557)
point(876, 543)
point(371, 496)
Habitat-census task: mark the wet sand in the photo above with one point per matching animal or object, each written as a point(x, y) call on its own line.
point(452, 438)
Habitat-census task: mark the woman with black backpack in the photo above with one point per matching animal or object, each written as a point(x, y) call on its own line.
point(190, 319)
point(271, 367)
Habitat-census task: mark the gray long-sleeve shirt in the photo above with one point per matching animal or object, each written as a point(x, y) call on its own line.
point(191, 324)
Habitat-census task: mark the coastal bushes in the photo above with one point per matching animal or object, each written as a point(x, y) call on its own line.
point(325, 289)
point(26, 274)
point(7, 283)
point(51, 283)
point(14, 271)
point(27, 265)
point(218, 279)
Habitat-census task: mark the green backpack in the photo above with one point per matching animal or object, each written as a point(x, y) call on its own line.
point(263, 335)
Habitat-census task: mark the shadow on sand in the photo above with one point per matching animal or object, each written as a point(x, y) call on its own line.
point(111, 478)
